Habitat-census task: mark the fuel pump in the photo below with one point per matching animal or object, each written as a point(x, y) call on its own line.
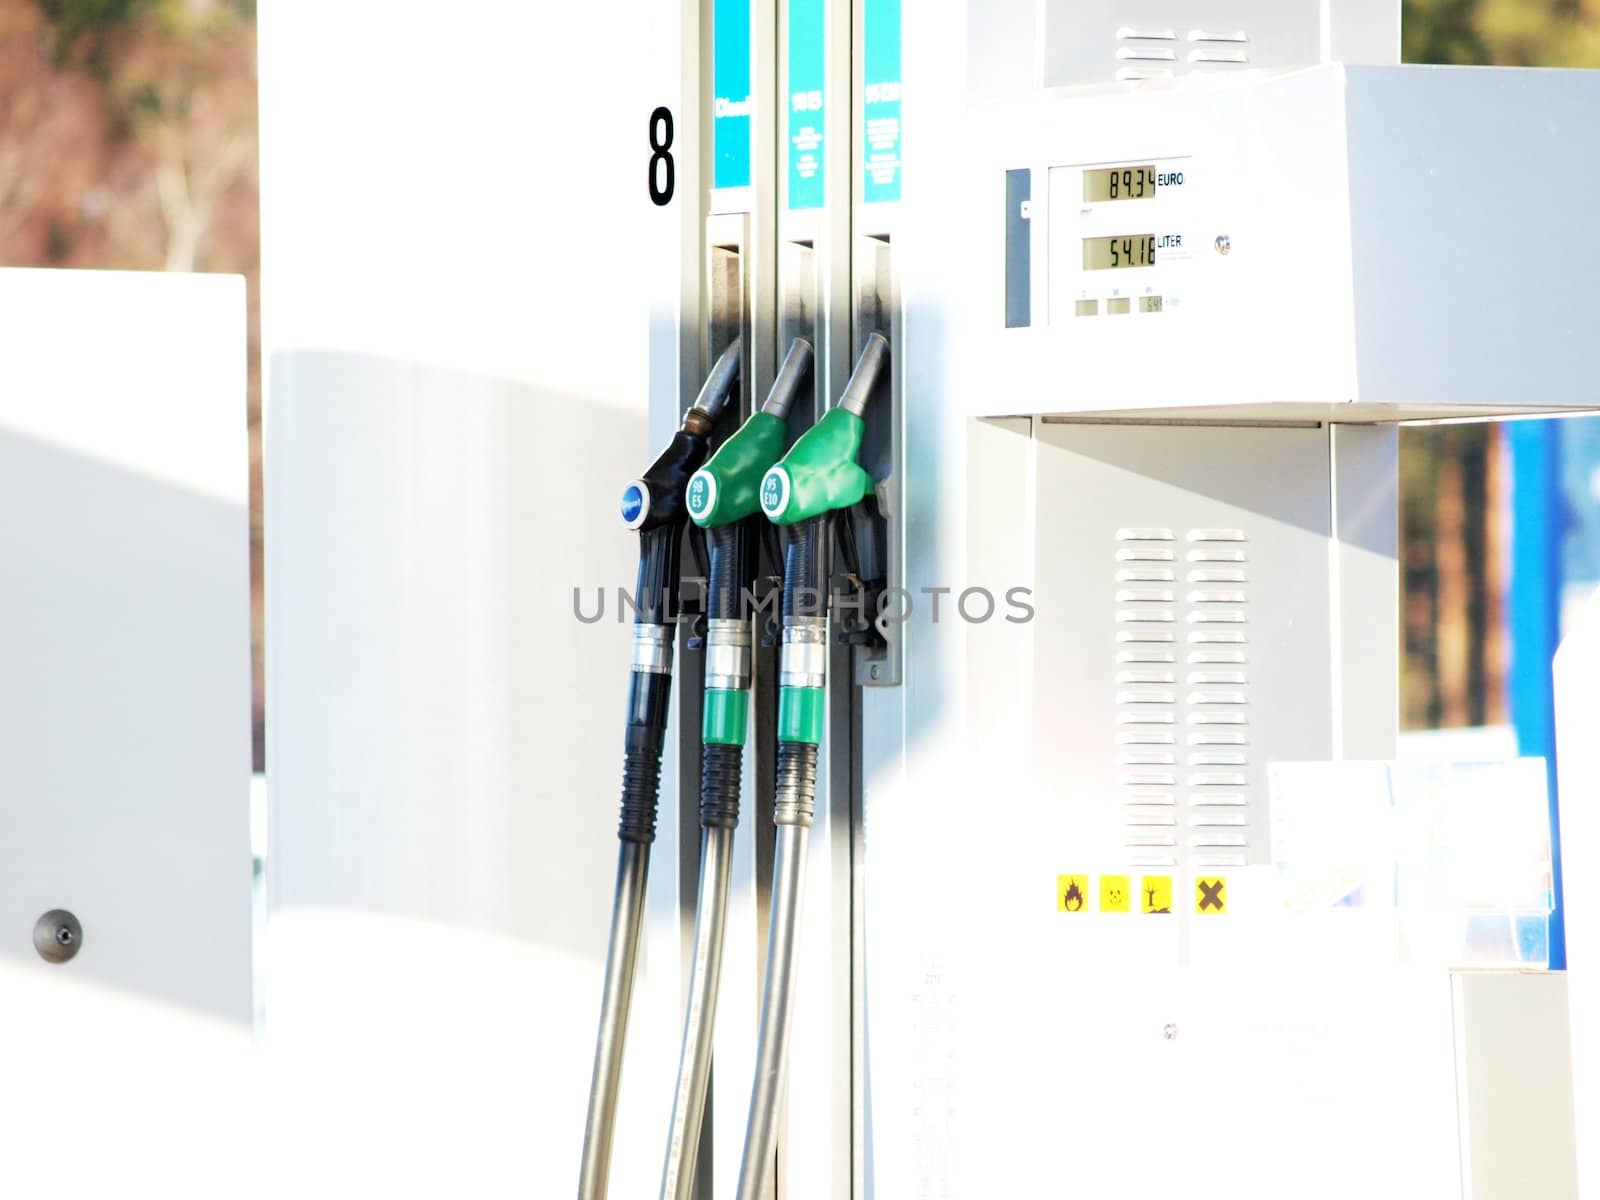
point(723, 499)
point(818, 480)
point(654, 506)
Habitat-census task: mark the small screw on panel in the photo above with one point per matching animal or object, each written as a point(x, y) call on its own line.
point(1224, 243)
point(57, 936)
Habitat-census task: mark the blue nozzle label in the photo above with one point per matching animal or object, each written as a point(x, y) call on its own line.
point(775, 491)
point(702, 494)
point(635, 503)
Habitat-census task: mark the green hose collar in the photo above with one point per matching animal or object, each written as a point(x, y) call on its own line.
point(800, 714)
point(726, 717)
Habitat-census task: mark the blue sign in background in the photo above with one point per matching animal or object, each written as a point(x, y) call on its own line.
point(881, 108)
point(730, 87)
point(808, 103)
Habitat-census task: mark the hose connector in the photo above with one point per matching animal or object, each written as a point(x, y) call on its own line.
point(728, 488)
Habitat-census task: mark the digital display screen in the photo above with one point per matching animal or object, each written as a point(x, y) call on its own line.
point(1119, 183)
point(1120, 250)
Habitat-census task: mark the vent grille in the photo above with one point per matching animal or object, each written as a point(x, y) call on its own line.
point(1156, 52)
point(1182, 695)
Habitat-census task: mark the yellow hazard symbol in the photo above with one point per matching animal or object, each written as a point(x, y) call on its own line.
point(1210, 894)
point(1114, 893)
point(1155, 894)
point(1072, 893)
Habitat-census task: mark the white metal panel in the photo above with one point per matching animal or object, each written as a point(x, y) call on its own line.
point(1577, 694)
point(1365, 580)
point(1471, 222)
point(1514, 1085)
point(125, 631)
point(1080, 43)
point(1184, 514)
point(1359, 244)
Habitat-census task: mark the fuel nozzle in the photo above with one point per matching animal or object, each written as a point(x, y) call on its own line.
point(653, 505)
point(818, 478)
point(723, 498)
point(656, 498)
point(728, 488)
point(820, 473)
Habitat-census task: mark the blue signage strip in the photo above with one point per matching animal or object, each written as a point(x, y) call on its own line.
point(730, 86)
point(808, 103)
point(881, 107)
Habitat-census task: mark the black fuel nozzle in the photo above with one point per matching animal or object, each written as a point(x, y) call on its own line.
point(654, 505)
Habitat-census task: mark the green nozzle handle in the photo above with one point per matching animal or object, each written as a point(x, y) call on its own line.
point(820, 472)
point(728, 488)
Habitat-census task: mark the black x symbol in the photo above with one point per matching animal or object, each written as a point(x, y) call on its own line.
point(1211, 895)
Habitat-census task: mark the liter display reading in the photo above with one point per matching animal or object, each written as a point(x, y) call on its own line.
point(1119, 183)
point(1123, 250)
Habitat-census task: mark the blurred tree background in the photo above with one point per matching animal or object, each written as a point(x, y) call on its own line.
point(128, 140)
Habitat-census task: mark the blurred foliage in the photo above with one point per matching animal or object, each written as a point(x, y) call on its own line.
point(1510, 33)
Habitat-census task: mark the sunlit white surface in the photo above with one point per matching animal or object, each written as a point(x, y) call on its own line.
point(156, 364)
point(125, 632)
point(112, 1093)
point(456, 329)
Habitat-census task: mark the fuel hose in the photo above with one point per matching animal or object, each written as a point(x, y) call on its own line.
point(654, 506)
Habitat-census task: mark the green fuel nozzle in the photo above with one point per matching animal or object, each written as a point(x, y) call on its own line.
point(724, 498)
point(820, 473)
point(815, 482)
point(817, 479)
point(728, 488)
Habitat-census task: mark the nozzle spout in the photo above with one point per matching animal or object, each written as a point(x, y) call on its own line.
point(796, 369)
point(720, 383)
point(874, 357)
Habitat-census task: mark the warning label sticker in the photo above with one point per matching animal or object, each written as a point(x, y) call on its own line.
point(1155, 894)
point(1210, 894)
point(1115, 891)
point(1072, 893)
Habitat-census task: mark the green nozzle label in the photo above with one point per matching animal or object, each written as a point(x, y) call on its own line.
point(702, 494)
point(775, 489)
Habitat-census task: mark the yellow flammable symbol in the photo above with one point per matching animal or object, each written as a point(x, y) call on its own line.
point(1072, 893)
